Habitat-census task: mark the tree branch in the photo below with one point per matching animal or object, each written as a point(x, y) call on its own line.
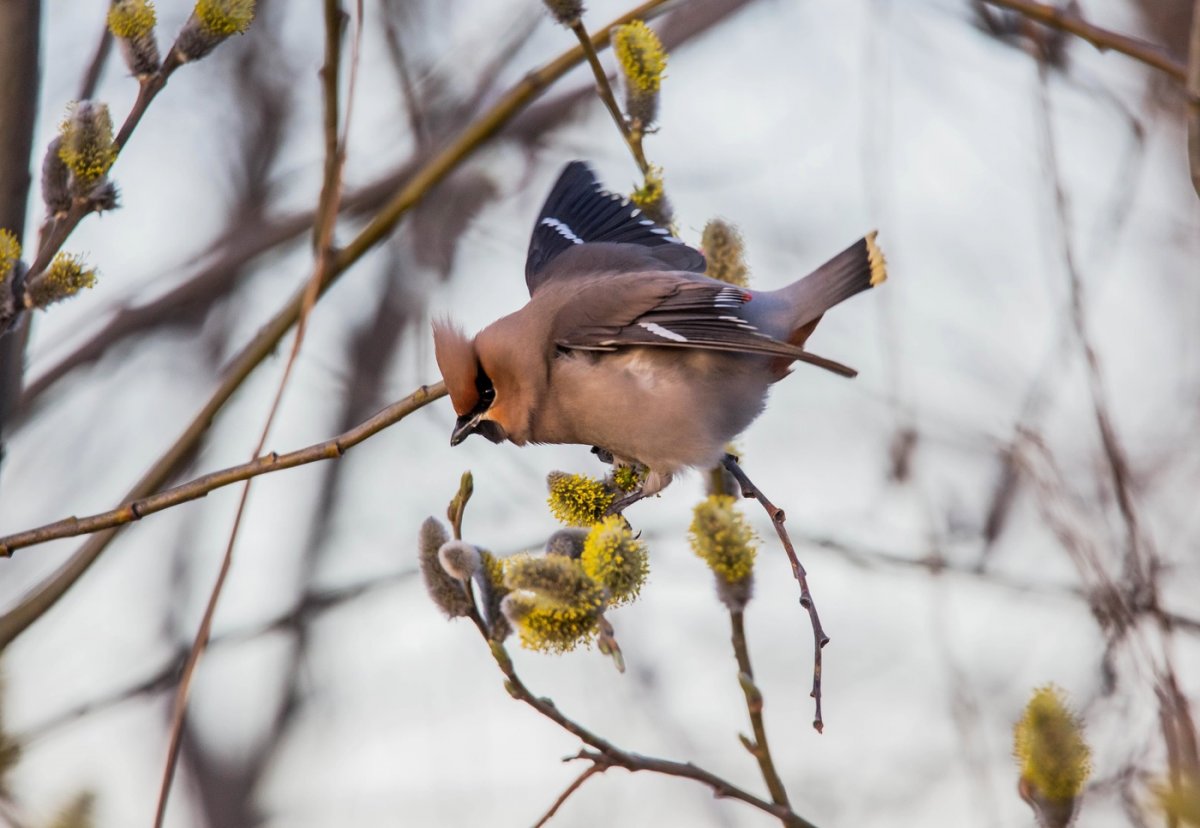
point(606, 755)
point(820, 639)
point(45, 595)
point(759, 748)
point(1068, 20)
point(1193, 90)
point(604, 90)
point(591, 771)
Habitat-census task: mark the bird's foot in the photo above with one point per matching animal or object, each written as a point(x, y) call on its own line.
point(619, 505)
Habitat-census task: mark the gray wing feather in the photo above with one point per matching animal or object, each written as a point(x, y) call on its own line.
point(670, 311)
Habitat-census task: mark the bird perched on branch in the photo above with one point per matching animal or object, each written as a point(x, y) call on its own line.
point(626, 345)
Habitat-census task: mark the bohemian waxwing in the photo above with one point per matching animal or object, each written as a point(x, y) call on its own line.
point(626, 345)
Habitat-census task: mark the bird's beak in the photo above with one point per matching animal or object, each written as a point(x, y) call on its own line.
point(474, 423)
point(467, 425)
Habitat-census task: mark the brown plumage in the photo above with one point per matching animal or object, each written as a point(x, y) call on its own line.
point(625, 345)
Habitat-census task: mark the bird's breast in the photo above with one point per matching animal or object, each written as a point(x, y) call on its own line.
point(665, 407)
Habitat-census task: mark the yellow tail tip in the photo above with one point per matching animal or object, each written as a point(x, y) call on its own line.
point(875, 259)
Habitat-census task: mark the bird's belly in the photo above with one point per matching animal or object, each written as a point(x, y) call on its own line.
point(666, 408)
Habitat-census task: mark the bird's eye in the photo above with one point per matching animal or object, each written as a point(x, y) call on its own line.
point(487, 391)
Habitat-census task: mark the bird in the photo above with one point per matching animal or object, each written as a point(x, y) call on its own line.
point(626, 346)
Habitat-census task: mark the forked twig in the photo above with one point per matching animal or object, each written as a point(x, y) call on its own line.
point(591, 771)
point(820, 639)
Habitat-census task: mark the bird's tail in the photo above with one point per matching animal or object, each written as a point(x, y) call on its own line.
point(858, 267)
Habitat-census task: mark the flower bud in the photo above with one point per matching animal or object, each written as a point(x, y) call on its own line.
point(212, 22)
point(132, 24)
point(725, 253)
point(628, 478)
point(1055, 760)
point(553, 604)
point(459, 559)
point(56, 180)
point(577, 500)
point(642, 58)
point(615, 559)
point(566, 542)
point(651, 197)
point(86, 146)
point(448, 593)
point(720, 535)
point(65, 277)
point(10, 254)
point(566, 12)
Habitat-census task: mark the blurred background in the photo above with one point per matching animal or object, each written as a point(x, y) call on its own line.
point(984, 510)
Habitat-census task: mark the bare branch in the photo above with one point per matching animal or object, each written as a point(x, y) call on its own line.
point(591, 771)
point(759, 748)
point(45, 595)
point(1193, 90)
point(1069, 20)
point(606, 755)
point(820, 639)
point(327, 210)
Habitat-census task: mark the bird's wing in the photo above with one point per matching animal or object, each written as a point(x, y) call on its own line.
point(670, 311)
point(579, 213)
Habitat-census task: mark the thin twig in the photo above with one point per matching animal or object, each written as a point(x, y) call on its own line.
point(310, 605)
point(588, 773)
point(199, 487)
point(91, 78)
point(1140, 557)
point(606, 755)
point(1066, 19)
point(326, 219)
point(820, 639)
point(56, 231)
point(1193, 105)
point(48, 593)
point(243, 241)
point(759, 748)
point(604, 90)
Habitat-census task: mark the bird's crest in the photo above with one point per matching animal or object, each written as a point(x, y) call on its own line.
point(458, 362)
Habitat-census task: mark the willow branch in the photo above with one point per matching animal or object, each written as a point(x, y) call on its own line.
point(331, 449)
point(327, 209)
point(476, 133)
point(759, 748)
point(58, 228)
point(1193, 90)
point(778, 517)
point(1066, 19)
point(91, 77)
point(48, 593)
point(575, 785)
point(604, 90)
point(605, 754)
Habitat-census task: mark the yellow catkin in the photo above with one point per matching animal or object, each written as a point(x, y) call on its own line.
point(86, 145)
point(725, 253)
point(225, 17)
point(130, 19)
point(1048, 744)
point(65, 277)
point(552, 628)
point(641, 55)
point(720, 535)
point(576, 500)
point(614, 558)
point(10, 253)
point(553, 603)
